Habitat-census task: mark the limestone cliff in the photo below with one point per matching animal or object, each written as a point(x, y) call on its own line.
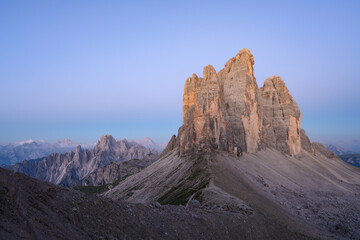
point(227, 111)
point(281, 117)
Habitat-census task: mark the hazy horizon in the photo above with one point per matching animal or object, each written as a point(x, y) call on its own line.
point(86, 143)
point(80, 70)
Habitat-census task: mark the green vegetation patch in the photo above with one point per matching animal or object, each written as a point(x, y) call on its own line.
point(97, 189)
point(198, 179)
point(181, 194)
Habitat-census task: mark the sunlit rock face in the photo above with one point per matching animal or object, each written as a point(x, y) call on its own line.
point(281, 117)
point(203, 123)
point(227, 111)
point(240, 103)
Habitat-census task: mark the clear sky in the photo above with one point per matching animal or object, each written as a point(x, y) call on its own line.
point(81, 69)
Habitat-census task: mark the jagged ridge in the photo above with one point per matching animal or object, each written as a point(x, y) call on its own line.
point(70, 168)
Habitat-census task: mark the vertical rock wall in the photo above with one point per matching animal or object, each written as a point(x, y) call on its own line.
point(281, 117)
point(227, 111)
point(239, 98)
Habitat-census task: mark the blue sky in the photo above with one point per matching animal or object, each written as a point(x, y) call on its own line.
point(81, 69)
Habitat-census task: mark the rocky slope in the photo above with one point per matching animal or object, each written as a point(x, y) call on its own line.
point(33, 209)
point(116, 171)
point(241, 148)
point(70, 168)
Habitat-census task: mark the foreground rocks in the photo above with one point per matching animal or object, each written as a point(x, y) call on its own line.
point(32, 209)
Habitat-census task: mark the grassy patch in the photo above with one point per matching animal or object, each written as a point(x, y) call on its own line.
point(181, 194)
point(97, 189)
point(196, 180)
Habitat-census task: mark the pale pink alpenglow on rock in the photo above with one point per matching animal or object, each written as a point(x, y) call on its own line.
point(227, 111)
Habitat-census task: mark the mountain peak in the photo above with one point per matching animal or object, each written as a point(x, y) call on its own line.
point(107, 137)
point(245, 53)
point(64, 143)
point(106, 142)
point(147, 139)
point(230, 113)
point(208, 72)
point(150, 143)
point(30, 141)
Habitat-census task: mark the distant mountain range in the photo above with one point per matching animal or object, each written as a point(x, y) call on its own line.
point(149, 143)
point(343, 146)
point(70, 168)
point(17, 152)
point(353, 159)
point(348, 151)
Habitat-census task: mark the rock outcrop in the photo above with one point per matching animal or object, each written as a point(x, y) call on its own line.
point(227, 111)
point(281, 117)
point(70, 168)
point(116, 171)
point(305, 142)
point(170, 146)
point(318, 147)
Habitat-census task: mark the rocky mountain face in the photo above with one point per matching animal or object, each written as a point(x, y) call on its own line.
point(17, 152)
point(70, 168)
point(227, 111)
point(241, 149)
point(116, 171)
point(281, 117)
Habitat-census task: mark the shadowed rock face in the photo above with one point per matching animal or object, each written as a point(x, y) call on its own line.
point(115, 171)
point(227, 111)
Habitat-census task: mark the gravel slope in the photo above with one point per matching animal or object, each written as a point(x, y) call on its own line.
point(32, 209)
point(310, 193)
